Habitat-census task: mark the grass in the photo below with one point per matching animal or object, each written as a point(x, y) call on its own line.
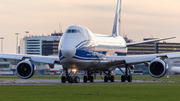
point(95, 92)
point(34, 77)
point(146, 78)
point(87, 92)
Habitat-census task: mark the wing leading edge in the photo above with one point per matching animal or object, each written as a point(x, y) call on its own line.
point(33, 58)
point(135, 59)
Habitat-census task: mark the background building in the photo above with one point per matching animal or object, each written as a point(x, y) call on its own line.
point(40, 45)
point(151, 48)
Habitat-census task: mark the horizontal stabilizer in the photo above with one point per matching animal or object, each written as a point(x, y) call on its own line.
point(148, 41)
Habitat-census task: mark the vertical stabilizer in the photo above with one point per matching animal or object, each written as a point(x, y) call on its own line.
point(117, 20)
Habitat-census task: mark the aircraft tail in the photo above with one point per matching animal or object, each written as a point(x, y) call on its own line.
point(117, 20)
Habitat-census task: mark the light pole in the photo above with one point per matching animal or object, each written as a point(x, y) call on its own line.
point(26, 33)
point(1, 44)
point(17, 43)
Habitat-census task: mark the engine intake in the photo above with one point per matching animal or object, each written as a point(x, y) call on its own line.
point(157, 68)
point(25, 69)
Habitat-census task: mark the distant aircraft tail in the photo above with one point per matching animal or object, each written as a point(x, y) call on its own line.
point(117, 20)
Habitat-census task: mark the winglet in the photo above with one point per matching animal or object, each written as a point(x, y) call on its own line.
point(148, 41)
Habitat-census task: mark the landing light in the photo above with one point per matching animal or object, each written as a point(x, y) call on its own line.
point(74, 70)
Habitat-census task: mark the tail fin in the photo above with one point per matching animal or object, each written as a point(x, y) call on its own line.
point(117, 20)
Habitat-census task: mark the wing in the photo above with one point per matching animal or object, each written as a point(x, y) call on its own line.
point(33, 58)
point(157, 67)
point(25, 68)
point(135, 59)
point(148, 41)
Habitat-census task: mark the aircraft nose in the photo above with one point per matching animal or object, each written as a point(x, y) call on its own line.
point(68, 51)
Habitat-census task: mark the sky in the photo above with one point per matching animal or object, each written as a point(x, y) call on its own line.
point(139, 19)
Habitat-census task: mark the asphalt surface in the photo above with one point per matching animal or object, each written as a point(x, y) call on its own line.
point(58, 81)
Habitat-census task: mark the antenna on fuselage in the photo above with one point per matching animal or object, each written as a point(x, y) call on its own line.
point(117, 20)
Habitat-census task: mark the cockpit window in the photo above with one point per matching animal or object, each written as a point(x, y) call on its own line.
point(69, 31)
point(78, 31)
point(73, 31)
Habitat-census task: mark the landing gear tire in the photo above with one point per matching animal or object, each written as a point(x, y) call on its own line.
point(105, 79)
point(91, 79)
point(63, 79)
point(76, 79)
point(85, 79)
point(112, 78)
point(122, 78)
point(70, 80)
point(129, 78)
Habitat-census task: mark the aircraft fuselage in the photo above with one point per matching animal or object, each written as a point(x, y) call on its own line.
point(81, 49)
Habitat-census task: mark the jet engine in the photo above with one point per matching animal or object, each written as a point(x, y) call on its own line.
point(157, 68)
point(25, 69)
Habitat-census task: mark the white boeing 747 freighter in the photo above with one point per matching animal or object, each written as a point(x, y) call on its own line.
point(80, 49)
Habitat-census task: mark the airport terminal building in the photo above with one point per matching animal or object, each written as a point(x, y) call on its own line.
point(40, 45)
point(151, 48)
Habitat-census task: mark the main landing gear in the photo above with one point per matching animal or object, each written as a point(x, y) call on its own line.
point(70, 79)
point(108, 77)
point(91, 78)
point(127, 76)
point(88, 77)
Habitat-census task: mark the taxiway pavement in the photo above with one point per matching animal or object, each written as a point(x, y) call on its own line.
point(58, 81)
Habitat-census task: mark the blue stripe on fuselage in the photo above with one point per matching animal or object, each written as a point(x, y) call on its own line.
point(121, 53)
point(86, 53)
point(80, 58)
point(82, 42)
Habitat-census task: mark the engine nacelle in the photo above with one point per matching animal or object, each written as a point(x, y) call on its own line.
point(157, 68)
point(25, 69)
